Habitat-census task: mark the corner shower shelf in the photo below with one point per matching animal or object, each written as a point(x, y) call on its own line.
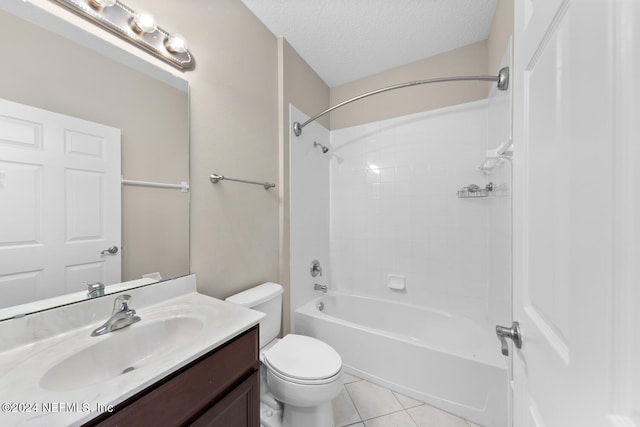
point(473, 190)
point(496, 157)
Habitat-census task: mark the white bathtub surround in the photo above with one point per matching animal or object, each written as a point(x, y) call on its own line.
point(499, 214)
point(365, 404)
point(447, 361)
point(394, 209)
point(431, 271)
point(309, 210)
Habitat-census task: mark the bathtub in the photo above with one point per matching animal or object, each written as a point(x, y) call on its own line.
point(447, 361)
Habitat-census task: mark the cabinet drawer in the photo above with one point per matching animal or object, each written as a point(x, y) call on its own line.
point(186, 394)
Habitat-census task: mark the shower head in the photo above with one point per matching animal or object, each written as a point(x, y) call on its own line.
point(324, 148)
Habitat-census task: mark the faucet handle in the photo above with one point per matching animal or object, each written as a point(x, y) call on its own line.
point(316, 269)
point(121, 303)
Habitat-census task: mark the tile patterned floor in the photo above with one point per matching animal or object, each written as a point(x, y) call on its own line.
point(364, 404)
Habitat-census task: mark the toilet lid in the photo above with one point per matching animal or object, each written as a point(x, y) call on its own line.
point(303, 358)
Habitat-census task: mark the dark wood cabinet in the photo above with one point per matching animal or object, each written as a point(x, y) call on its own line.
point(220, 388)
point(236, 409)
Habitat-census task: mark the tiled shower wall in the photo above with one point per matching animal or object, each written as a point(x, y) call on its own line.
point(394, 209)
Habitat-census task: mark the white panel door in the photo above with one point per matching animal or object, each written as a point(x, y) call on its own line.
point(625, 399)
point(60, 197)
point(573, 199)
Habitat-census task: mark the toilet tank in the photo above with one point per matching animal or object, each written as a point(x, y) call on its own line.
point(265, 298)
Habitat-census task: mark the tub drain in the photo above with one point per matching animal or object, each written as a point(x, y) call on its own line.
point(129, 369)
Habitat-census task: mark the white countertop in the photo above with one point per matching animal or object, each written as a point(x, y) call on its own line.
point(57, 334)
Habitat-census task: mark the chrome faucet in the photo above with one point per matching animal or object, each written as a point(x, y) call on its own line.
point(319, 287)
point(95, 289)
point(121, 317)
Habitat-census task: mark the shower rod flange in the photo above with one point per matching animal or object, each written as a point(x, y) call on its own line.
point(503, 78)
point(297, 129)
point(502, 82)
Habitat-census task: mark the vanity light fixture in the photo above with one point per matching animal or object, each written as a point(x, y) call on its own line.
point(138, 28)
point(176, 44)
point(101, 4)
point(143, 22)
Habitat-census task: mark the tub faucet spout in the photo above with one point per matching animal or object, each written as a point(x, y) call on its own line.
point(319, 287)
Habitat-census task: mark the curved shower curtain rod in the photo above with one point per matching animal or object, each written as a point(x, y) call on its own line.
point(502, 81)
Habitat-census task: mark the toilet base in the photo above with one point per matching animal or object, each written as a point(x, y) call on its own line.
point(270, 408)
point(293, 416)
point(270, 417)
point(310, 416)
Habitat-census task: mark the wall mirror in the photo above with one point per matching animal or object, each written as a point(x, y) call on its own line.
point(54, 65)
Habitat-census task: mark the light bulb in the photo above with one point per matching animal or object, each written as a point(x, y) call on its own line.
point(144, 22)
point(176, 44)
point(101, 4)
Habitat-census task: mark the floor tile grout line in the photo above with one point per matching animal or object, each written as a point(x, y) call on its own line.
point(396, 398)
point(352, 401)
point(362, 421)
point(411, 416)
point(391, 413)
point(393, 393)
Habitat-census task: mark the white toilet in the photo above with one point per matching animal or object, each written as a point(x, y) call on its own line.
point(303, 373)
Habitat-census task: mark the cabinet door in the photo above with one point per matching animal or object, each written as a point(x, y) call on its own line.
point(240, 408)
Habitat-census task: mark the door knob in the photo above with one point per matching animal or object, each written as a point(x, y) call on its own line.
point(111, 251)
point(512, 333)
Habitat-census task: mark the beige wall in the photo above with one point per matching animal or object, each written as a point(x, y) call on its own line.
point(48, 71)
point(234, 132)
point(467, 60)
point(300, 86)
point(479, 58)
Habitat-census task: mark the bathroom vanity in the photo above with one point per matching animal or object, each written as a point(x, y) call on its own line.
point(219, 389)
point(191, 359)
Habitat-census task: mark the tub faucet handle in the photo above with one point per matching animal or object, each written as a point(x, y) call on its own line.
point(316, 269)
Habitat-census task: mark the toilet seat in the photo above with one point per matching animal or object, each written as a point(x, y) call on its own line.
point(303, 360)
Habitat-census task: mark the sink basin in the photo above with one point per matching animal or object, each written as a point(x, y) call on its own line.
point(51, 356)
point(123, 351)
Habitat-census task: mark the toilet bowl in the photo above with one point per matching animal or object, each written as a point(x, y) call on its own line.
point(303, 373)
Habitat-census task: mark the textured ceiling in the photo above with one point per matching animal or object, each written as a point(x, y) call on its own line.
point(344, 40)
